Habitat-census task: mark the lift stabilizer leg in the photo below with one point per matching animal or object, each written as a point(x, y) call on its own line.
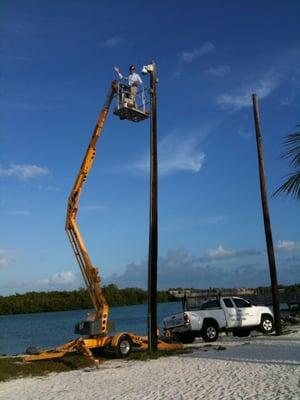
point(60, 351)
point(84, 347)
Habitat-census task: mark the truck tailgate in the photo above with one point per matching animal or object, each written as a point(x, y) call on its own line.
point(173, 320)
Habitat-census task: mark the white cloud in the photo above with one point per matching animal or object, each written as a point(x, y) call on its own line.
point(64, 280)
point(220, 252)
point(287, 245)
point(190, 56)
point(179, 155)
point(284, 71)
point(6, 258)
point(181, 269)
point(241, 97)
point(59, 280)
point(112, 41)
point(176, 153)
point(219, 71)
point(23, 171)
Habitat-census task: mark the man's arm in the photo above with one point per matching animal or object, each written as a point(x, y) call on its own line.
point(117, 70)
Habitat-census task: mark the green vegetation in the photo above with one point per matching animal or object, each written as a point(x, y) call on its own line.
point(15, 367)
point(34, 302)
point(266, 290)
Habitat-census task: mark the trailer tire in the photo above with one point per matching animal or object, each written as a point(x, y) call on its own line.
point(124, 346)
point(210, 331)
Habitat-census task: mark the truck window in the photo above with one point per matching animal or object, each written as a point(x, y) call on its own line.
point(192, 303)
point(228, 303)
point(241, 303)
point(210, 305)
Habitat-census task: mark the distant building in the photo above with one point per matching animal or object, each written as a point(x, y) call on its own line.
point(181, 292)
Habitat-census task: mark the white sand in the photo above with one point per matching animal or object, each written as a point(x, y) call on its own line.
point(249, 368)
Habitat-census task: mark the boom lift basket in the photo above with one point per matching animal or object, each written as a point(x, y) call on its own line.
point(132, 107)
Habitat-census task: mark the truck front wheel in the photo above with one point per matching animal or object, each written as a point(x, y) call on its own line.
point(210, 332)
point(267, 324)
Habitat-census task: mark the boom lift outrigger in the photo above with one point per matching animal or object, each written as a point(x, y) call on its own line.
point(96, 326)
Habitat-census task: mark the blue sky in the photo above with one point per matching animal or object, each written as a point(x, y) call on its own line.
point(57, 63)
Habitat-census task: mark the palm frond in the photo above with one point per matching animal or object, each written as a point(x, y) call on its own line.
point(291, 146)
point(291, 186)
point(292, 149)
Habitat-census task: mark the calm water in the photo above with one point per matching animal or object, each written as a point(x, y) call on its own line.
point(47, 330)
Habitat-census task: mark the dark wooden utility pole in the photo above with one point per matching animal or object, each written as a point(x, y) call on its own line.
point(266, 215)
point(152, 257)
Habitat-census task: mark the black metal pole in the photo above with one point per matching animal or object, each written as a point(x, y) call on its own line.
point(152, 257)
point(266, 215)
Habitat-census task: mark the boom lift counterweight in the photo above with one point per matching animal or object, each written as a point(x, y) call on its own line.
point(96, 326)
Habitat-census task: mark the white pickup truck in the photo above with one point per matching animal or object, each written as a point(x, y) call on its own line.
point(221, 314)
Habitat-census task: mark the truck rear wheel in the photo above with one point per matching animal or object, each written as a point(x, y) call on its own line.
point(123, 347)
point(210, 331)
point(187, 337)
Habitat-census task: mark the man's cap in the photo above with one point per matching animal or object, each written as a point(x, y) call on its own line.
point(131, 67)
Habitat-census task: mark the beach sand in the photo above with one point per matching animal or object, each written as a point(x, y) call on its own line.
point(257, 367)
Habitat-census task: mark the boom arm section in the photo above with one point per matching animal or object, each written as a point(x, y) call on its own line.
point(89, 272)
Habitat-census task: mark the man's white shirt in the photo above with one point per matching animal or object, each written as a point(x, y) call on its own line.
point(133, 79)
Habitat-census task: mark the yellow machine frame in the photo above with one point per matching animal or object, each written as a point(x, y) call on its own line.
point(89, 272)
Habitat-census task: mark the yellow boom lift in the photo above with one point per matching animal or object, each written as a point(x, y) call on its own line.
point(95, 328)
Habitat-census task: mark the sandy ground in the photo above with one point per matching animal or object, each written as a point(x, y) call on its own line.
point(257, 367)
